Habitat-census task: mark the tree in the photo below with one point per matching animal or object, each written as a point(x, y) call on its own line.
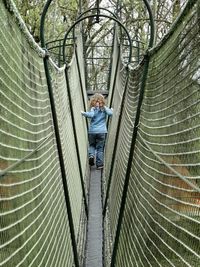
point(62, 12)
point(98, 35)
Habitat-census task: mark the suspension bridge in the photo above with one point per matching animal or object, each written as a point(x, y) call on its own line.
point(143, 209)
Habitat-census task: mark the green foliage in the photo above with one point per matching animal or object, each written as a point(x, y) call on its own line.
point(30, 12)
point(62, 12)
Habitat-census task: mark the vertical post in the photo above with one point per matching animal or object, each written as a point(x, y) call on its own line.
point(111, 56)
point(76, 143)
point(80, 79)
point(59, 56)
point(138, 47)
point(115, 146)
point(62, 164)
point(130, 160)
point(80, 6)
point(98, 12)
point(58, 140)
point(134, 136)
point(115, 76)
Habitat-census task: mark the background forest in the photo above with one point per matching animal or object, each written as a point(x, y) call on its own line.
point(98, 37)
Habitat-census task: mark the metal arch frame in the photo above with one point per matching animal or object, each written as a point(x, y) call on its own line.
point(91, 16)
point(151, 41)
point(42, 20)
point(152, 34)
point(98, 9)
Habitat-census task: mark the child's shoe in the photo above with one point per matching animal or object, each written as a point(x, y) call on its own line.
point(91, 160)
point(99, 167)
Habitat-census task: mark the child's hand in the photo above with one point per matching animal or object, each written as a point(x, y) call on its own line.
point(82, 112)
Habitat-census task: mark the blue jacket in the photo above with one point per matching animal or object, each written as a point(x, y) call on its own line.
point(98, 119)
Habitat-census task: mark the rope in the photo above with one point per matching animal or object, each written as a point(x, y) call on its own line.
point(20, 161)
point(196, 188)
point(12, 8)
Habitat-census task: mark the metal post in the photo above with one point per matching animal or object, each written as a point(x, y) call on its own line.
point(58, 140)
point(76, 143)
point(130, 160)
point(115, 146)
point(134, 135)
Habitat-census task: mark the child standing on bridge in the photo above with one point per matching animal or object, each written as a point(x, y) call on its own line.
point(97, 130)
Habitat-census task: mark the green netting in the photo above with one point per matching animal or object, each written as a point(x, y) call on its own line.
point(78, 105)
point(70, 154)
point(161, 222)
point(160, 225)
point(116, 89)
point(68, 142)
point(122, 150)
point(34, 227)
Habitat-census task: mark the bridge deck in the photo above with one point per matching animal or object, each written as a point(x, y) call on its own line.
point(94, 233)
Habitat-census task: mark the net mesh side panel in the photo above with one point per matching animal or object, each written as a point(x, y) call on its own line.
point(161, 223)
point(117, 92)
point(122, 151)
point(34, 229)
point(115, 54)
point(70, 156)
point(81, 62)
point(78, 105)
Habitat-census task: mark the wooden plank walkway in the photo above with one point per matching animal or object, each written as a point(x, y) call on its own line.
point(95, 231)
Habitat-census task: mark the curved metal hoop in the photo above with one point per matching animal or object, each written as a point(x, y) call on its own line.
point(80, 18)
point(152, 32)
point(100, 15)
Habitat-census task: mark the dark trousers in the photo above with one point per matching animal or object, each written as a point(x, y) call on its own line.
point(96, 144)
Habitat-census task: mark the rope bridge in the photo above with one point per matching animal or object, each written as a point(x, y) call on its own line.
point(151, 194)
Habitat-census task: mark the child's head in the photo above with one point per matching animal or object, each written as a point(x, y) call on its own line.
point(92, 101)
point(97, 100)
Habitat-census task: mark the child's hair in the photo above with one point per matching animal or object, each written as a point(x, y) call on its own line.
point(97, 98)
